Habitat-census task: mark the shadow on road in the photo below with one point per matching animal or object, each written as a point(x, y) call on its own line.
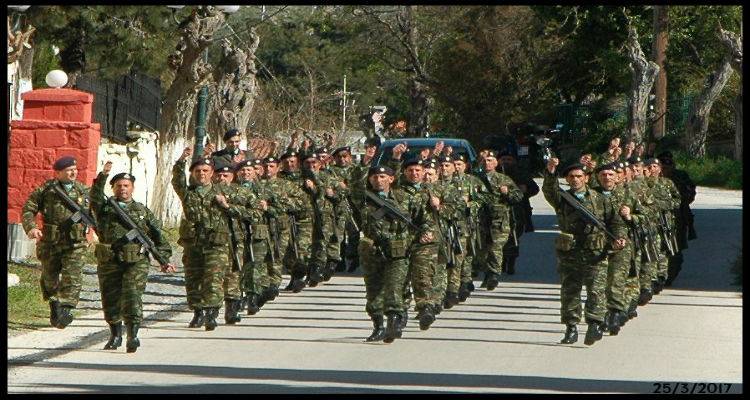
point(409, 381)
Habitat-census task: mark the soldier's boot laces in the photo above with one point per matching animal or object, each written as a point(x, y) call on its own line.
point(211, 318)
point(54, 312)
point(65, 317)
point(426, 317)
point(392, 328)
point(463, 292)
point(378, 332)
point(593, 334)
point(133, 342)
point(571, 335)
point(252, 304)
point(451, 299)
point(115, 337)
point(198, 320)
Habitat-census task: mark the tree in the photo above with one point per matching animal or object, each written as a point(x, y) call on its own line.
point(733, 44)
point(644, 74)
point(661, 33)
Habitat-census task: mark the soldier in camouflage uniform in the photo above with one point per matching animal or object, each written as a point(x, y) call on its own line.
point(385, 250)
point(290, 166)
point(331, 226)
point(61, 242)
point(642, 196)
point(207, 234)
point(621, 264)
point(317, 190)
point(122, 265)
point(502, 194)
point(521, 212)
point(468, 186)
point(231, 153)
point(345, 218)
point(582, 250)
point(684, 217)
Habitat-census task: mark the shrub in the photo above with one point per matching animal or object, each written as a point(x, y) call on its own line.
point(718, 171)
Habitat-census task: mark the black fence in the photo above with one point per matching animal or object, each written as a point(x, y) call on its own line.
point(133, 99)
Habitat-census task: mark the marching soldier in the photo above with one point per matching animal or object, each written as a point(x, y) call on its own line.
point(290, 166)
point(469, 186)
point(122, 264)
point(231, 153)
point(581, 249)
point(63, 203)
point(684, 217)
point(342, 170)
point(385, 248)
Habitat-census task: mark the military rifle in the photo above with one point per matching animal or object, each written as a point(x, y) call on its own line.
point(236, 260)
point(386, 208)
point(294, 235)
point(513, 221)
point(135, 233)
point(79, 214)
point(666, 233)
point(586, 214)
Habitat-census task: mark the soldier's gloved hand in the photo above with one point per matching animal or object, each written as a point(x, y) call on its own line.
point(504, 189)
point(619, 244)
point(168, 268)
point(107, 167)
point(35, 234)
point(426, 238)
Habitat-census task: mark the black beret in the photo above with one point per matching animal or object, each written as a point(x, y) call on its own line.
point(412, 161)
point(322, 150)
point(222, 167)
point(64, 162)
point(605, 167)
point(270, 160)
point(201, 161)
point(446, 159)
point(459, 157)
point(491, 153)
point(121, 175)
point(257, 162)
point(635, 160)
point(651, 161)
point(340, 149)
point(431, 164)
point(231, 133)
point(381, 170)
point(314, 156)
point(373, 141)
point(289, 154)
point(242, 164)
point(571, 167)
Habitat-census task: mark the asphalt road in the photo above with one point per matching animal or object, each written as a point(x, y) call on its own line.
point(500, 341)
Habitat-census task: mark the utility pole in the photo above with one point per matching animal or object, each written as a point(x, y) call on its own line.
point(200, 124)
point(661, 35)
point(344, 105)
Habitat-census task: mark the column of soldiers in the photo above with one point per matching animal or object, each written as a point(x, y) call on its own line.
point(428, 225)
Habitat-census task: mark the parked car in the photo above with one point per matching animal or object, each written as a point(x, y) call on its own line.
point(415, 145)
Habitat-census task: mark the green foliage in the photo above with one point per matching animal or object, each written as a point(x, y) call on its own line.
point(45, 60)
point(26, 308)
point(717, 171)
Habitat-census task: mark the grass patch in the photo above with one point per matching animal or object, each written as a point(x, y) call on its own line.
point(26, 308)
point(721, 172)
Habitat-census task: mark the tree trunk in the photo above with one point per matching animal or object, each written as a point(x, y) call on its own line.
point(733, 43)
point(697, 122)
point(190, 73)
point(661, 31)
point(419, 112)
point(234, 90)
point(644, 75)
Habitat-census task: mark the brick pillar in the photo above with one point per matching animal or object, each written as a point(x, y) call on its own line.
point(56, 123)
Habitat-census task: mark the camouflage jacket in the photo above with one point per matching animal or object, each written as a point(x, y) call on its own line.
point(112, 229)
point(498, 204)
point(55, 213)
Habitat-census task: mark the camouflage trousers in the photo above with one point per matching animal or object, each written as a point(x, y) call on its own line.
point(491, 254)
point(275, 267)
point(121, 286)
point(62, 272)
point(255, 274)
point(232, 278)
point(385, 280)
point(578, 269)
point(350, 244)
point(204, 275)
point(422, 271)
point(298, 265)
point(618, 268)
point(462, 272)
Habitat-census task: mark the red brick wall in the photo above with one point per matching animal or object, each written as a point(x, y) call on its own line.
point(56, 123)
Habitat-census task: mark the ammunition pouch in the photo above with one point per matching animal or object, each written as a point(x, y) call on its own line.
point(50, 233)
point(77, 233)
point(260, 232)
point(131, 253)
point(396, 248)
point(565, 242)
point(103, 252)
point(595, 242)
point(217, 238)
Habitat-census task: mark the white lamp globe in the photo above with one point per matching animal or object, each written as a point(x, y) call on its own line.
point(229, 9)
point(56, 78)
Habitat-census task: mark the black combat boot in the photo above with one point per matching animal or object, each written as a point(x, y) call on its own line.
point(252, 304)
point(353, 264)
point(54, 312)
point(211, 314)
point(228, 311)
point(65, 317)
point(393, 327)
point(451, 299)
point(463, 292)
point(470, 286)
point(484, 281)
point(645, 297)
point(493, 280)
point(593, 333)
point(604, 326)
point(656, 286)
point(115, 336)
point(297, 282)
point(571, 335)
point(426, 317)
point(341, 265)
point(237, 307)
point(613, 322)
point(315, 276)
point(199, 318)
point(378, 332)
point(632, 313)
point(273, 292)
point(263, 297)
point(132, 344)
point(330, 269)
point(510, 265)
point(404, 320)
